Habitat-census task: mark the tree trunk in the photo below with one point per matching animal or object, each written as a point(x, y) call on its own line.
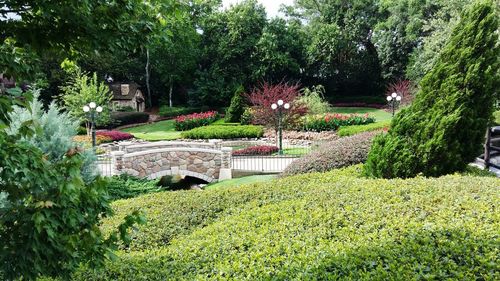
point(147, 78)
point(170, 92)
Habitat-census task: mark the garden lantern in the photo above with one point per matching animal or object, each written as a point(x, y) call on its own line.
point(394, 99)
point(280, 105)
point(92, 109)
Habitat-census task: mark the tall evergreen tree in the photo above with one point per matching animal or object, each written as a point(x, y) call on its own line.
point(444, 128)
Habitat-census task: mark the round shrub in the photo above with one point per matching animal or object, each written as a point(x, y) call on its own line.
point(332, 155)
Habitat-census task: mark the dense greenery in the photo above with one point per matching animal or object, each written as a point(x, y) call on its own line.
point(124, 187)
point(331, 122)
point(442, 131)
point(119, 118)
point(316, 226)
point(237, 106)
point(166, 111)
point(224, 132)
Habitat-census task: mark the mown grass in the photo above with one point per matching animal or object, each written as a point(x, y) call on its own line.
point(162, 130)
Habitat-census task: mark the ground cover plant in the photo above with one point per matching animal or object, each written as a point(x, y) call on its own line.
point(335, 154)
point(124, 187)
point(332, 121)
point(224, 132)
point(315, 226)
point(191, 121)
point(443, 129)
point(257, 150)
point(162, 130)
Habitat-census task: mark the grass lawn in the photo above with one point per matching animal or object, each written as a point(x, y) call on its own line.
point(163, 130)
point(240, 181)
point(379, 114)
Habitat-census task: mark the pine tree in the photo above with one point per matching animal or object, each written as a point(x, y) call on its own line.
point(444, 128)
point(236, 108)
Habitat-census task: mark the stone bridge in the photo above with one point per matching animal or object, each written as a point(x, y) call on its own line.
point(206, 161)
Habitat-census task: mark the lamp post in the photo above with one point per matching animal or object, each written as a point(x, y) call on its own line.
point(393, 99)
point(92, 110)
point(280, 105)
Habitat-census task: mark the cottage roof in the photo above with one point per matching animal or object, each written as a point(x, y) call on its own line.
point(118, 94)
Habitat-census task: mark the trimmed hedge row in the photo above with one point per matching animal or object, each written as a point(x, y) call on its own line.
point(257, 150)
point(166, 111)
point(332, 121)
point(357, 129)
point(336, 154)
point(315, 227)
point(195, 120)
point(127, 118)
point(224, 132)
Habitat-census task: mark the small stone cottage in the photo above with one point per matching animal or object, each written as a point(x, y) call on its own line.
point(127, 95)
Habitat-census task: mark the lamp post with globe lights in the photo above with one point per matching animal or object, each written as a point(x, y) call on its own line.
point(280, 105)
point(92, 110)
point(394, 99)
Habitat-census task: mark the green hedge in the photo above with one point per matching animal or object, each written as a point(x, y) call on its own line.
point(127, 118)
point(166, 111)
point(315, 227)
point(224, 132)
point(356, 129)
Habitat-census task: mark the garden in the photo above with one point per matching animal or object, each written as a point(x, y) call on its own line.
point(353, 137)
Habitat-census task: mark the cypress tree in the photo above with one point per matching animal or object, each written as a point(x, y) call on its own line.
point(444, 128)
point(236, 108)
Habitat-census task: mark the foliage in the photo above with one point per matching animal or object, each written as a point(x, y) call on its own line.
point(442, 131)
point(80, 91)
point(86, 140)
point(314, 100)
point(224, 132)
point(496, 117)
point(128, 118)
point(356, 129)
point(321, 226)
point(166, 111)
point(53, 133)
point(333, 155)
point(264, 96)
point(50, 217)
point(191, 121)
point(247, 116)
point(257, 150)
point(332, 121)
point(115, 135)
point(124, 108)
point(403, 88)
point(237, 106)
point(124, 187)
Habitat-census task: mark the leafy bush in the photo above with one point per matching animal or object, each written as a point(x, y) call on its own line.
point(166, 111)
point(356, 129)
point(124, 186)
point(115, 135)
point(81, 130)
point(127, 118)
point(126, 108)
point(86, 141)
point(315, 227)
point(224, 132)
point(191, 121)
point(443, 129)
point(257, 150)
point(237, 106)
point(247, 116)
point(332, 121)
point(333, 155)
point(314, 100)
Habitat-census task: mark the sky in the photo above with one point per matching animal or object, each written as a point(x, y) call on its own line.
point(272, 6)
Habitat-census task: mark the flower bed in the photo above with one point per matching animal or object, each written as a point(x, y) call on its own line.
point(87, 140)
point(191, 121)
point(332, 121)
point(257, 150)
point(115, 135)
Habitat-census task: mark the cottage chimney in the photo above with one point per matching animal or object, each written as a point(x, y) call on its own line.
point(124, 89)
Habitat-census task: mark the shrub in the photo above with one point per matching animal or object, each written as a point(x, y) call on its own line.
point(115, 135)
point(191, 121)
point(314, 100)
point(81, 130)
point(404, 88)
point(315, 227)
point(166, 111)
point(333, 155)
point(126, 108)
point(443, 129)
point(332, 121)
point(124, 186)
point(237, 106)
point(127, 118)
point(356, 129)
point(86, 141)
point(247, 116)
point(224, 132)
point(257, 150)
